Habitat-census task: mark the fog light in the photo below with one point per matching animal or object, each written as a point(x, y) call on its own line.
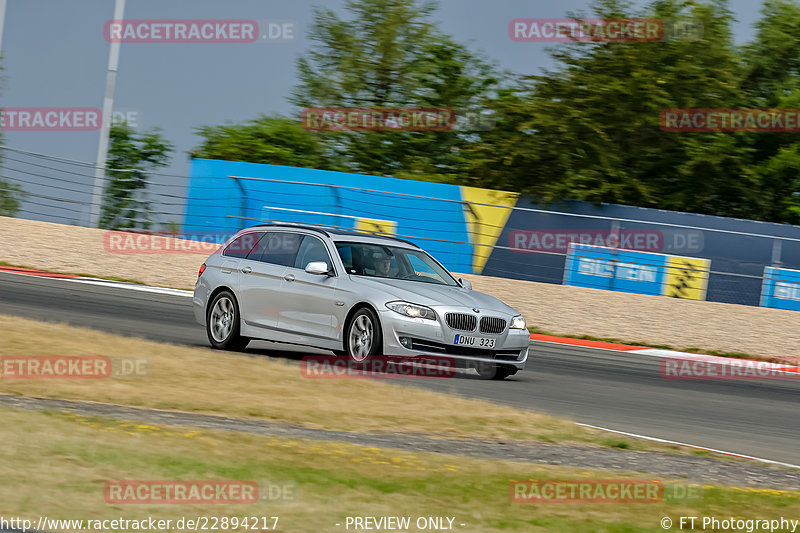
point(406, 342)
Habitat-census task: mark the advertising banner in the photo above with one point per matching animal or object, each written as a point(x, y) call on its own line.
point(615, 269)
point(781, 288)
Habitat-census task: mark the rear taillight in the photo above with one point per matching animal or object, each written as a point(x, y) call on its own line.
point(202, 269)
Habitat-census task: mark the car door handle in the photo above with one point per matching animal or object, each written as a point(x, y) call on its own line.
point(289, 277)
point(246, 270)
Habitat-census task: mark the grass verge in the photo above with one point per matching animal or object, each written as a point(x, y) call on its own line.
point(252, 385)
point(56, 465)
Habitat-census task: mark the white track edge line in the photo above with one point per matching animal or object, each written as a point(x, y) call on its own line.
point(703, 448)
point(109, 283)
point(142, 288)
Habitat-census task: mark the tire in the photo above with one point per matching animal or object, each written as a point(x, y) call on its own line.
point(223, 323)
point(363, 338)
point(495, 372)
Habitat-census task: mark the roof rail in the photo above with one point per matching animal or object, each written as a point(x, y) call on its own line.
point(320, 229)
point(296, 226)
point(407, 242)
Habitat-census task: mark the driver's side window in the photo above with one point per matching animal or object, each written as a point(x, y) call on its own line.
point(311, 250)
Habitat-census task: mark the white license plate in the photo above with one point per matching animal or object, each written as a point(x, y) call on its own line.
point(474, 342)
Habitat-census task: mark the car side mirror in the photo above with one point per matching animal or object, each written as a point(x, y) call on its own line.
point(318, 267)
point(465, 283)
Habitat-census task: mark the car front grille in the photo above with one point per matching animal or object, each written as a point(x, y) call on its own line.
point(461, 321)
point(490, 324)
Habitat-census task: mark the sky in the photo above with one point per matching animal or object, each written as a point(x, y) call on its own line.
point(54, 54)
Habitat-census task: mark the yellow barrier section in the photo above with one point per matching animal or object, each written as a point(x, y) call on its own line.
point(687, 277)
point(375, 225)
point(484, 222)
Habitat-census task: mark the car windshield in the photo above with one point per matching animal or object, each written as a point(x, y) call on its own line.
point(378, 261)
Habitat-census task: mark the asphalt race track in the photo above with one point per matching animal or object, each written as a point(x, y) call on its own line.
point(611, 390)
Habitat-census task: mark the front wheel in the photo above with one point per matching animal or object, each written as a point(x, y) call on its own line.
point(363, 338)
point(496, 372)
point(222, 323)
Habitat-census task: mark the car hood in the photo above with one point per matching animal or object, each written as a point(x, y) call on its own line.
point(432, 294)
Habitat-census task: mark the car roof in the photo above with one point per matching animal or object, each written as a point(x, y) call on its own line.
point(343, 234)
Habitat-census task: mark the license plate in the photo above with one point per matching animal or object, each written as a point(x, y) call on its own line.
point(474, 342)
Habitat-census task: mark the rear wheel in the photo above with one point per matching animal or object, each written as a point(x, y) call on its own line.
point(496, 372)
point(222, 323)
point(363, 338)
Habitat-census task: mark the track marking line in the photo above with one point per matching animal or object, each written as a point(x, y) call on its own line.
point(98, 281)
point(693, 446)
point(142, 288)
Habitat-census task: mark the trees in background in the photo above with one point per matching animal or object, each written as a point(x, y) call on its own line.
point(272, 140)
point(11, 194)
point(588, 129)
point(390, 53)
point(131, 156)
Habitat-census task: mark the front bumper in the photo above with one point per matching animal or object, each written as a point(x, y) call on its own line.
point(434, 338)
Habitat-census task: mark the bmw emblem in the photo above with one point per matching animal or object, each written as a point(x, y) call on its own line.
point(476, 309)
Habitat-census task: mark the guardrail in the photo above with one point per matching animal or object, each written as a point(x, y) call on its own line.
point(470, 230)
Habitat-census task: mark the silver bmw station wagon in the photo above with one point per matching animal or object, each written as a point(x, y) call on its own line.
point(356, 294)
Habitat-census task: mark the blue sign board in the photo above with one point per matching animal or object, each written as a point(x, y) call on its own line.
point(613, 269)
point(781, 288)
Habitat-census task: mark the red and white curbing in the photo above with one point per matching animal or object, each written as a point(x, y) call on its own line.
point(737, 366)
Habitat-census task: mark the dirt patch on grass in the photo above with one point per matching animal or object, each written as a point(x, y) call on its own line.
point(557, 309)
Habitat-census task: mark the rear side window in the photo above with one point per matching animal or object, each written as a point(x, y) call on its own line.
point(277, 248)
point(242, 245)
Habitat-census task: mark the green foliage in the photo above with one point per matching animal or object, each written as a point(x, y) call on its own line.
point(586, 130)
point(271, 140)
point(590, 129)
point(131, 157)
point(11, 195)
point(389, 53)
point(772, 79)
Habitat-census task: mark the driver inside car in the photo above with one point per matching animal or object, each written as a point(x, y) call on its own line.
point(382, 265)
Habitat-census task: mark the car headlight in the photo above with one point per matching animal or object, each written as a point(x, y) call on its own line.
point(412, 310)
point(518, 322)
